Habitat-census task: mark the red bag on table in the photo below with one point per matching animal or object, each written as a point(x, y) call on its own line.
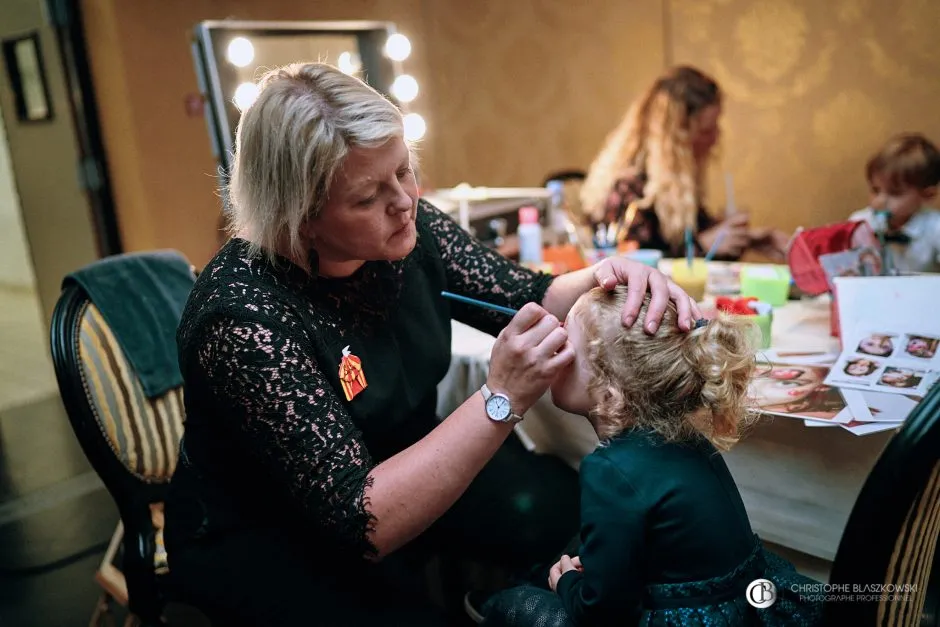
point(808, 245)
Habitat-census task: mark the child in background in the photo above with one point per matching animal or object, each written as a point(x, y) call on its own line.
point(903, 177)
point(665, 538)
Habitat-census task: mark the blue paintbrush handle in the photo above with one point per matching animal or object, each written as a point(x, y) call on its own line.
point(714, 249)
point(479, 303)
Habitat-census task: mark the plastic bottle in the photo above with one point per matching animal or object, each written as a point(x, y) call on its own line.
point(530, 236)
point(557, 219)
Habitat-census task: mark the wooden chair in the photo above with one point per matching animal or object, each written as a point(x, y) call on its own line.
point(891, 535)
point(132, 443)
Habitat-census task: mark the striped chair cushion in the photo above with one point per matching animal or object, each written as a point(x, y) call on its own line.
point(143, 433)
point(913, 555)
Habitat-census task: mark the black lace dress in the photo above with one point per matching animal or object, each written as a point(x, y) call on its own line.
point(272, 440)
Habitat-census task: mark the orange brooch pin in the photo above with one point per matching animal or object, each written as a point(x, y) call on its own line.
point(351, 375)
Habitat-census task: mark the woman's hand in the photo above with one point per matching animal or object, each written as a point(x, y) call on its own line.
point(733, 243)
point(527, 355)
point(638, 277)
point(561, 567)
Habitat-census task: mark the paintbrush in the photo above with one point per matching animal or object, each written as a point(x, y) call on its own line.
point(479, 303)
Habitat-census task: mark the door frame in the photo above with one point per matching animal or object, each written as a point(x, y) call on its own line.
point(66, 20)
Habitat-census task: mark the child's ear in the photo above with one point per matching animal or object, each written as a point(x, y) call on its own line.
point(929, 193)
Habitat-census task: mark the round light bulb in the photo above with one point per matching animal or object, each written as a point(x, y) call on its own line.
point(415, 127)
point(240, 52)
point(245, 95)
point(348, 62)
point(405, 88)
point(397, 48)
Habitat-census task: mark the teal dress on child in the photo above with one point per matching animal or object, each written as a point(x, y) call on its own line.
point(665, 541)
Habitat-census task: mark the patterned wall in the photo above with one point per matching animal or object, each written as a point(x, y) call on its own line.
point(526, 87)
point(513, 90)
point(813, 88)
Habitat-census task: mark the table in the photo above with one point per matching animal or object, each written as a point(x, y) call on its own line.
point(799, 484)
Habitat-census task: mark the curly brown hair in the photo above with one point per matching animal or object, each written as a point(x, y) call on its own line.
point(675, 383)
point(908, 159)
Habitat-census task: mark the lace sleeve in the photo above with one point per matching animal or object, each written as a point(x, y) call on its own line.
point(479, 272)
point(291, 422)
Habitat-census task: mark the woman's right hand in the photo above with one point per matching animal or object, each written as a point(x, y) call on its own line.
point(734, 242)
point(528, 354)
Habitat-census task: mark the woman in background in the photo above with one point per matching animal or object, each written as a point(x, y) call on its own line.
point(658, 156)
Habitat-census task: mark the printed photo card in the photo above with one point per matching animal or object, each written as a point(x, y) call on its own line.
point(872, 406)
point(892, 362)
point(797, 391)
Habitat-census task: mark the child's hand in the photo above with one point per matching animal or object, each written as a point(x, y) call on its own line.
point(561, 567)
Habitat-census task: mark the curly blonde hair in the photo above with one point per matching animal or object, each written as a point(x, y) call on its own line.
point(674, 383)
point(654, 141)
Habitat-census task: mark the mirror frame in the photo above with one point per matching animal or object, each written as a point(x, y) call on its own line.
point(211, 37)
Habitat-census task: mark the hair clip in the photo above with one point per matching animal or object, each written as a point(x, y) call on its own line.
point(701, 322)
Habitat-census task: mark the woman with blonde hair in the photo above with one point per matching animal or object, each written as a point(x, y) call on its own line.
point(651, 173)
point(315, 480)
point(665, 538)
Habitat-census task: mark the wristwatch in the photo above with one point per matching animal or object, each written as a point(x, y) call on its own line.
point(498, 407)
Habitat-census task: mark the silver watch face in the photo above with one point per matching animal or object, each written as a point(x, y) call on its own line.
point(498, 408)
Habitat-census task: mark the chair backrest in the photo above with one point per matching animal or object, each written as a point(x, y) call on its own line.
point(891, 536)
point(131, 441)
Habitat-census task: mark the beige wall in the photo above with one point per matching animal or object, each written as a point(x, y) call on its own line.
point(55, 210)
point(510, 90)
point(513, 90)
point(16, 267)
point(812, 89)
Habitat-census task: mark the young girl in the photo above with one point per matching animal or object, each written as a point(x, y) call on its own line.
point(665, 538)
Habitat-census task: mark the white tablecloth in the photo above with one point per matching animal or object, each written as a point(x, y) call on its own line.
point(798, 483)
